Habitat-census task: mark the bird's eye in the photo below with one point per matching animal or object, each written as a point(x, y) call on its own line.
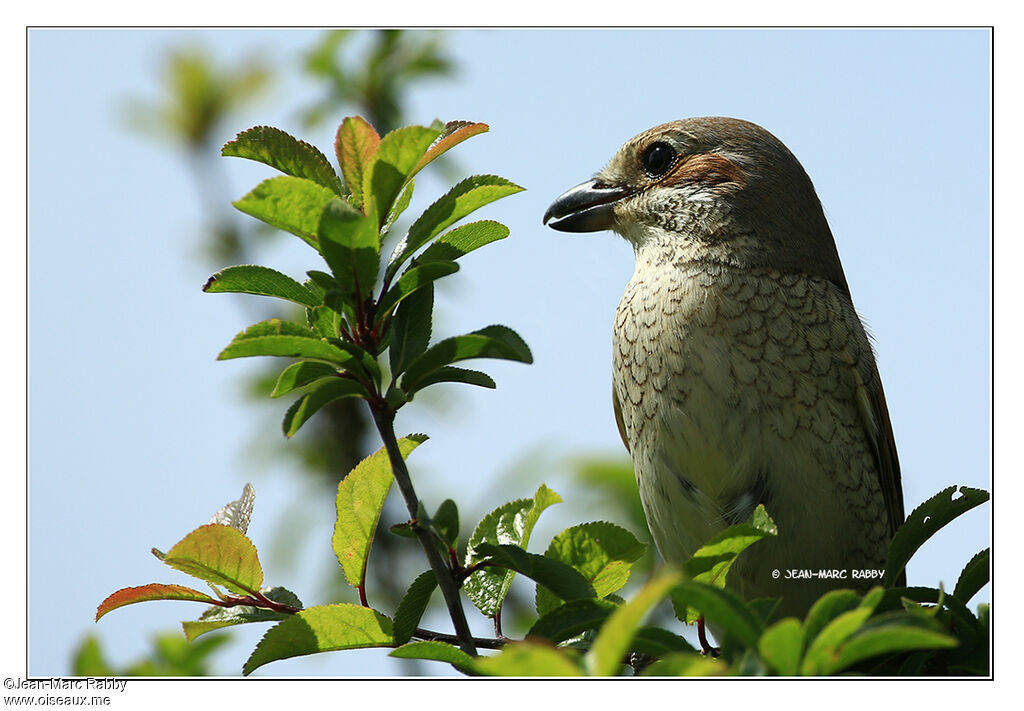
point(657, 158)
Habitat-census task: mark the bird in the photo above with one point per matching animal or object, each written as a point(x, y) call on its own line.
point(742, 374)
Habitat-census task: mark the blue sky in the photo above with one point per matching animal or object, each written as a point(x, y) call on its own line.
point(137, 434)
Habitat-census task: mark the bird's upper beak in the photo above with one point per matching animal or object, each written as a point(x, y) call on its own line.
point(588, 207)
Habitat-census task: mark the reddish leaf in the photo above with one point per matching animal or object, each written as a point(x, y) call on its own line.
point(355, 145)
point(455, 132)
point(153, 591)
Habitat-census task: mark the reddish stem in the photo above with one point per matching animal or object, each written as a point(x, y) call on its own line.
point(705, 646)
point(256, 599)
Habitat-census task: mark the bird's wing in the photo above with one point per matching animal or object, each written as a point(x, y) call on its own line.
point(618, 418)
point(884, 451)
point(873, 412)
point(885, 454)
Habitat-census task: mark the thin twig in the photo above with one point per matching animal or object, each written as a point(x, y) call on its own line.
point(481, 642)
point(257, 599)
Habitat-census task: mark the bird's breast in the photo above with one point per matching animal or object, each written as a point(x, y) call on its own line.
point(737, 388)
point(684, 412)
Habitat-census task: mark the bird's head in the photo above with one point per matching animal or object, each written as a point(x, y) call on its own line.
point(707, 189)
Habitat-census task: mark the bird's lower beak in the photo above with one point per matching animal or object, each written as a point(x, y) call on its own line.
point(586, 208)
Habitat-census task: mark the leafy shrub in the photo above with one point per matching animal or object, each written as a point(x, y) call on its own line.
point(367, 335)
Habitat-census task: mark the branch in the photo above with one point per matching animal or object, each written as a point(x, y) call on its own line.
point(384, 420)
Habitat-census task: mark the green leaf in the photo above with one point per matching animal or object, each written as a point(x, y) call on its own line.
point(413, 605)
point(410, 329)
point(434, 651)
point(782, 645)
point(403, 529)
point(923, 523)
point(746, 663)
point(88, 660)
point(822, 649)
point(564, 580)
point(325, 321)
point(344, 304)
point(301, 374)
point(572, 618)
point(918, 610)
point(529, 659)
point(325, 628)
point(217, 618)
point(463, 240)
point(687, 664)
point(287, 340)
point(250, 279)
point(145, 593)
point(512, 524)
point(355, 145)
point(602, 552)
point(446, 522)
point(364, 364)
point(887, 634)
point(828, 607)
point(658, 642)
point(719, 607)
point(414, 279)
point(449, 374)
point(321, 393)
point(711, 563)
point(462, 199)
point(290, 204)
point(218, 554)
point(359, 502)
point(613, 641)
point(392, 166)
point(286, 153)
point(963, 616)
point(350, 245)
point(323, 280)
point(398, 207)
point(914, 664)
point(973, 577)
point(490, 342)
point(275, 327)
point(170, 655)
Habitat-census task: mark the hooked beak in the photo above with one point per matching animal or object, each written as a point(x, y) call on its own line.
point(589, 207)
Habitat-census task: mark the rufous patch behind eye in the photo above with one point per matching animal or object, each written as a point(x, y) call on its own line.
point(709, 169)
